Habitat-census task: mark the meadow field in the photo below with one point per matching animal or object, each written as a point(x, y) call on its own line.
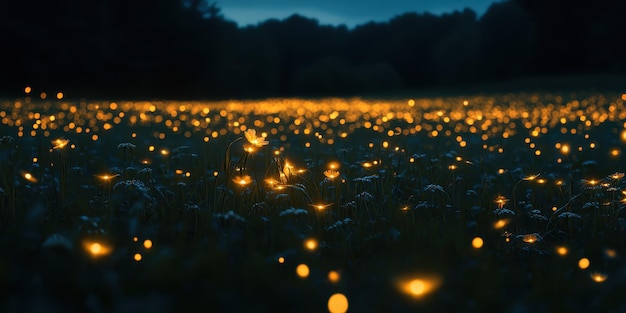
point(500, 202)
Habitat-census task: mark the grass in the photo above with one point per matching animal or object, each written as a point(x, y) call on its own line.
point(477, 204)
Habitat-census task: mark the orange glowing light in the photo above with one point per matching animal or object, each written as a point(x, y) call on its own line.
point(310, 244)
point(303, 270)
point(137, 257)
point(420, 286)
point(333, 276)
point(321, 206)
point(242, 180)
point(584, 263)
point(598, 277)
point(530, 238)
point(477, 242)
point(59, 143)
point(147, 243)
point(331, 174)
point(499, 224)
point(29, 177)
point(281, 260)
point(96, 249)
point(338, 303)
point(501, 201)
point(561, 250)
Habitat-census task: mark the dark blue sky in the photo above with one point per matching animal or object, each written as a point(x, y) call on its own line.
point(348, 12)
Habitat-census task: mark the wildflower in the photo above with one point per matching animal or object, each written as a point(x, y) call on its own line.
point(59, 143)
point(501, 201)
point(321, 206)
point(364, 196)
point(126, 145)
point(254, 140)
point(569, 215)
point(331, 174)
point(242, 180)
point(249, 148)
point(366, 179)
point(530, 238)
point(230, 215)
point(433, 188)
point(57, 241)
point(107, 177)
point(503, 212)
point(598, 277)
point(132, 184)
point(293, 211)
point(531, 177)
point(339, 224)
point(6, 140)
point(616, 176)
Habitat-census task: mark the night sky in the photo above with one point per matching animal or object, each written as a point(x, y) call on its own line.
point(335, 12)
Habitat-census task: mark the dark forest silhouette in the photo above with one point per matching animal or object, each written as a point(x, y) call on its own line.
point(170, 48)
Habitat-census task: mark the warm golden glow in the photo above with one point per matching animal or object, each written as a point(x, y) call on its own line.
point(310, 244)
point(530, 238)
point(59, 143)
point(610, 253)
point(561, 250)
point(29, 177)
point(501, 201)
point(333, 276)
point(107, 177)
point(499, 224)
point(137, 257)
point(147, 243)
point(27, 89)
point(598, 277)
point(96, 249)
point(331, 174)
point(477, 242)
point(420, 286)
point(321, 206)
point(338, 303)
point(281, 260)
point(242, 180)
point(252, 138)
point(584, 263)
point(302, 270)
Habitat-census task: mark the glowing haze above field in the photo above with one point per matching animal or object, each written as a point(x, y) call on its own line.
point(336, 12)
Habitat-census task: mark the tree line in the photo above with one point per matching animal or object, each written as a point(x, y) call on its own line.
point(188, 49)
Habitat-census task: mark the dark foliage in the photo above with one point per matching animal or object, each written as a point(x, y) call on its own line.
point(186, 48)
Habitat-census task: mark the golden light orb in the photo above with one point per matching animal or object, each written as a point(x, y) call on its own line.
point(302, 270)
point(338, 303)
point(333, 276)
point(584, 263)
point(311, 244)
point(477, 242)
